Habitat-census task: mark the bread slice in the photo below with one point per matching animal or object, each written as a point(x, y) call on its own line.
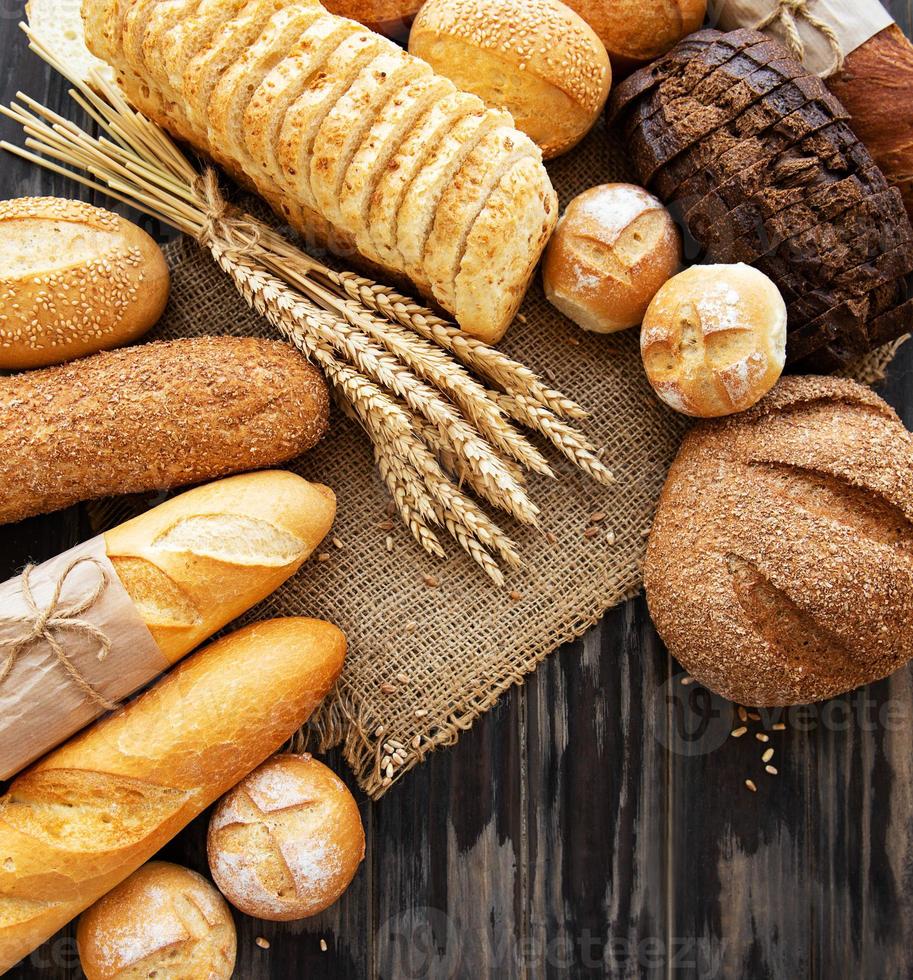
point(502, 250)
point(304, 117)
point(59, 25)
point(416, 216)
point(390, 190)
point(395, 121)
point(264, 116)
point(236, 87)
point(345, 125)
point(203, 72)
point(463, 200)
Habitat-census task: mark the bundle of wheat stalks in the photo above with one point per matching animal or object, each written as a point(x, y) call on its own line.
point(439, 406)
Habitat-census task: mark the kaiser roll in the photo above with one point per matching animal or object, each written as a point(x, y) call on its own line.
point(612, 250)
point(162, 921)
point(540, 61)
point(635, 32)
point(286, 841)
point(713, 339)
point(780, 565)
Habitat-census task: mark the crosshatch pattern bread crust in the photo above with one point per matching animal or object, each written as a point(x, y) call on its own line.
point(354, 142)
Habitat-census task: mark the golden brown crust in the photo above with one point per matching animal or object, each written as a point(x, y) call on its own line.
point(287, 841)
point(164, 920)
point(133, 780)
point(152, 417)
point(74, 279)
point(390, 17)
point(779, 566)
point(541, 62)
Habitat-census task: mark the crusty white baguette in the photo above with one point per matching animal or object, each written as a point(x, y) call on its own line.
point(153, 417)
point(74, 279)
point(316, 121)
point(88, 815)
point(197, 561)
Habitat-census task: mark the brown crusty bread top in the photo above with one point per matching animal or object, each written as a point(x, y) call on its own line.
point(154, 417)
point(779, 567)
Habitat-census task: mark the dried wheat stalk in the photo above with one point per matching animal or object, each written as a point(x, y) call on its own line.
point(394, 364)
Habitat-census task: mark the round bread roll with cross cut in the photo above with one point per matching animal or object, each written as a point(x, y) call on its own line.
point(713, 340)
point(614, 247)
point(286, 842)
point(164, 921)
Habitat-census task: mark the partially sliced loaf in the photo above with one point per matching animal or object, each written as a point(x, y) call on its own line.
point(416, 147)
point(392, 125)
point(463, 200)
point(346, 124)
point(496, 267)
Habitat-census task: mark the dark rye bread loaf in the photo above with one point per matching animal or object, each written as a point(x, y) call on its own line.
point(780, 564)
point(760, 162)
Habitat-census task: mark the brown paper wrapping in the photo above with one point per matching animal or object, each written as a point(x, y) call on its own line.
point(853, 22)
point(40, 704)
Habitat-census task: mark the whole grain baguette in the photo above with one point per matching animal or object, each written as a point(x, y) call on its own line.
point(153, 417)
point(88, 815)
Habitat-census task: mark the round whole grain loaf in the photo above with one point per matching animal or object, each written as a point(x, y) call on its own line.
point(779, 565)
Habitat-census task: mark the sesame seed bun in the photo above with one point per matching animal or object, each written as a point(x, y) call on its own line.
point(74, 280)
point(541, 62)
point(778, 569)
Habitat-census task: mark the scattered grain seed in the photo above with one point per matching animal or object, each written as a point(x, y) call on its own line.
point(574, 341)
point(421, 712)
point(687, 680)
point(591, 532)
point(417, 741)
point(768, 755)
point(411, 626)
point(521, 318)
point(337, 542)
point(387, 688)
point(754, 716)
point(261, 942)
point(610, 537)
point(598, 517)
point(771, 769)
point(378, 731)
point(403, 678)
point(551, 537)
point(515, 595)
point(390, 508)
point(323, 945)
point(396, 743)
point(388, 772)
point(751, 785)
point(432, 581)
point(389, 543)
point(385, 761)
point(738, 732)
point(323, 556)
point(743, 714)
point(385, 526)
point(779, 727)
point(762, 737)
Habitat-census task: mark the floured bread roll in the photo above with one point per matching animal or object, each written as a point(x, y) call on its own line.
point(163, 921)
point(714, 339)
point(286, 842)
point(612, 250)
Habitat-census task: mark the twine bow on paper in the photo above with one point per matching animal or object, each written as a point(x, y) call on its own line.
point(788, 12)
point(43, 624)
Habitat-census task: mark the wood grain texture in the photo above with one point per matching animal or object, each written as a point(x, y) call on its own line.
point(595, 823)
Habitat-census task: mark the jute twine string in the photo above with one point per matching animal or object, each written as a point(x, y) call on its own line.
point(788, 12)
point(42, 624)
point(237, 234)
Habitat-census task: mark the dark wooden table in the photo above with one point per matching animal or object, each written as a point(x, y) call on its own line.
point(596, 822)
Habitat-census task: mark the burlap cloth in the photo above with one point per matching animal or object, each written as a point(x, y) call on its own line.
point(424, 662)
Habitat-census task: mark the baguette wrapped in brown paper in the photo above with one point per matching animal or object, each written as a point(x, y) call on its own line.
point(175, 575)
point(88, 815)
